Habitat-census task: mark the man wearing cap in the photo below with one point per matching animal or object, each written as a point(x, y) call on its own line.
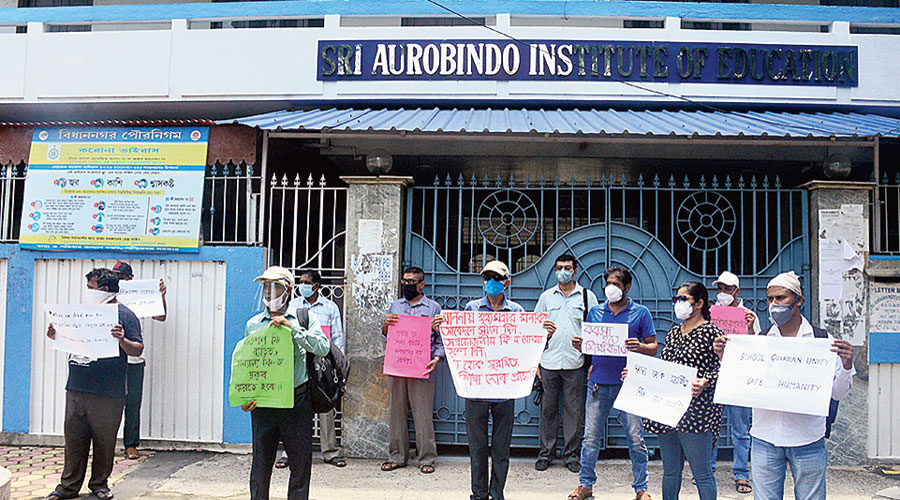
point(501, 411)
point(291, 426)
point(729, 287)
point(414, 393)
point(131, 435)
point(780, 438)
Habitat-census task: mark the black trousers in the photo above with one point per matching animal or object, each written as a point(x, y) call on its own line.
point(135, 388)
point(502, 414)
point(293, 427)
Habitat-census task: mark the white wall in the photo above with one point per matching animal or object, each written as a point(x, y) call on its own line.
point(884, 408)
point(183, 381)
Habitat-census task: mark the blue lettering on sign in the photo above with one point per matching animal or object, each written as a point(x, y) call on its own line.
point(576, 60)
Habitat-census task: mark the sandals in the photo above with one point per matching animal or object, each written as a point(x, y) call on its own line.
point(337, 462)
point(131, 453)
point(580, 493)
point(282, 463)
point(743, 486)
point(426, 468)
point(55, 495)
point(103, 494)
point(389, 466)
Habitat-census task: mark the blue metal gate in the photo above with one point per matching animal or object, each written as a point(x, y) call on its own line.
point(665, 233)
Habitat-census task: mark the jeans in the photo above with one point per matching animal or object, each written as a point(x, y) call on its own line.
point(502, 413)
point(674, 448)
point(807, 467)
point(135, 390)
point(596, 413)
point(739, 420)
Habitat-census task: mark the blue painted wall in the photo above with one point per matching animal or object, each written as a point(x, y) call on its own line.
point(242, 264)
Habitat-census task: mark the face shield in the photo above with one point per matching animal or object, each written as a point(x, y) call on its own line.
point(273, 295)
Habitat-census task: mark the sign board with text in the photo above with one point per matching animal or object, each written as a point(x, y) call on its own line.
point(604, 339)
point(655, 389)
point(262, 369)
point(85, 330)
point(408, 347)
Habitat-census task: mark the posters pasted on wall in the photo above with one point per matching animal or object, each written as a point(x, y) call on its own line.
point(134, 189)
point(843, 239)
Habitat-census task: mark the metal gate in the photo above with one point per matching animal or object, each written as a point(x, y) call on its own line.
point(666, 231)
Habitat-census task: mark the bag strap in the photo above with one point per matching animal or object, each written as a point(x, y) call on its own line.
point(303, 317)
point(584, 293)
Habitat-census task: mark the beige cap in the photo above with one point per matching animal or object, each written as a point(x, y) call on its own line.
point(788, 280)
point(727, 279)
point(497, 267)
point(277, 273)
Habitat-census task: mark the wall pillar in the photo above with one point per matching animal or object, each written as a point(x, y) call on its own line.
point(375, 205)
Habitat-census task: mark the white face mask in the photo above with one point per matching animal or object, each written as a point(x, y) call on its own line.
point(725, 299)
point(276, 303)
point(683, 310)
point(613, 293)
point(93, 297)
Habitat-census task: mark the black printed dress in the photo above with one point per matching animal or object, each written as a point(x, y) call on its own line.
point(694, 349)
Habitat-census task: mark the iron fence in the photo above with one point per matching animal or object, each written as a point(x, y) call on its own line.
point(887, 217)
point(231, 205)
point(12, 194)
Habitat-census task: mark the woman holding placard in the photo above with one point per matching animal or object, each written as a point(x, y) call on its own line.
point(691, 344)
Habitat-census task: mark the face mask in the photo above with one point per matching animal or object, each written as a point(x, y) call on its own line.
point(306, 290)
point(683, 310)
point(613, 293)
point(92, 296)
point(781, 314)
point(409, 292)
point(725, 299)
point(493, 288)
point(276, 303)
point(564, 275)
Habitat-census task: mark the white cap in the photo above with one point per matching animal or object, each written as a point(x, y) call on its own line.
point(788, 280)
point(728, 279)
point(496, 266)
point(277, 273)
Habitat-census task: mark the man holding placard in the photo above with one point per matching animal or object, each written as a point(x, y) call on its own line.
point(291, 426)
point(131, 435)
point(778, 437)
point(604, 382)
point(413, 392)
point(562, 367)
point(728, 288)
point(95, 396)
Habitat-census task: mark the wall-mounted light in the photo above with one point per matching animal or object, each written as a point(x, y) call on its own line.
point(837, 166)
point(379, 161)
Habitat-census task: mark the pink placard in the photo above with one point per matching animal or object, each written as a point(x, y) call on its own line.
point(408, 347)
point(730, 320)
point(327, 331)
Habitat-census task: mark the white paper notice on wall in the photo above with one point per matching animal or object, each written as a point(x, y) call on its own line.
point(830, 225)
point(855, 227)
point(371, 232)
point(831, 269)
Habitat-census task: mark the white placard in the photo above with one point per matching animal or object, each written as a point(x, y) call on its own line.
point(604, 339)
point(142, 297)
point(85, 329)
point(493, 355)
point(656, 389)
point(371, 232)
point(777, 373)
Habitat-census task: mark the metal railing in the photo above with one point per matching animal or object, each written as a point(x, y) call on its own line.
point(231, 205)
point(886, 239)
point(12, 195)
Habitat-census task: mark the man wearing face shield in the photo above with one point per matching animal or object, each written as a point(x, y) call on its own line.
point(729, 288)
point(291, 426)
point(414, 393)
point(604, 383)
point(95, 396)
point(501, 411)
point(562, 366)
point(780, 438)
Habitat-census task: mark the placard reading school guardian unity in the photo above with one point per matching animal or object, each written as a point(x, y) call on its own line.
point(137, 189)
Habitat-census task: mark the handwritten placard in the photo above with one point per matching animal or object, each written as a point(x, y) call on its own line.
point(777, 373)
point(142, 297)
point(85, 330)
point(731, 320)
point(656, 389)
point(493, 355)
point(262, 369)
point(604, 339)
point(408, 347)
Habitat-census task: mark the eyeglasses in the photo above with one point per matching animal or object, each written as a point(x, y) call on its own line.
point(681, 298)
point(410, 282)
point(490, 275)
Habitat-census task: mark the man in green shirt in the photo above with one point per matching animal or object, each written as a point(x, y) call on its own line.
point(291, 426)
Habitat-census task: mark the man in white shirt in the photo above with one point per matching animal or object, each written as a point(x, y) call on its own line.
point(780, 438)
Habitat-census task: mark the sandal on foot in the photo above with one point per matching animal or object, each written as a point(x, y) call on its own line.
point(103, 494)
point(131, 453)
point(389, 466)
point(282, 463)
point(426, 469)
point(743, 486)
point(580, 493)
point(337, 462)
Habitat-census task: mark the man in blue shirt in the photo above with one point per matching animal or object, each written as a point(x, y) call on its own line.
point(605, 380)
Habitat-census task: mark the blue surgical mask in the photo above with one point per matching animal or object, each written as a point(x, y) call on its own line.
point(306, 290)
point(564, 275)
point(493, 288)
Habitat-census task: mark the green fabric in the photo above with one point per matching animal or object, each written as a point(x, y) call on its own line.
point(262, 369)
point(310, 339)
